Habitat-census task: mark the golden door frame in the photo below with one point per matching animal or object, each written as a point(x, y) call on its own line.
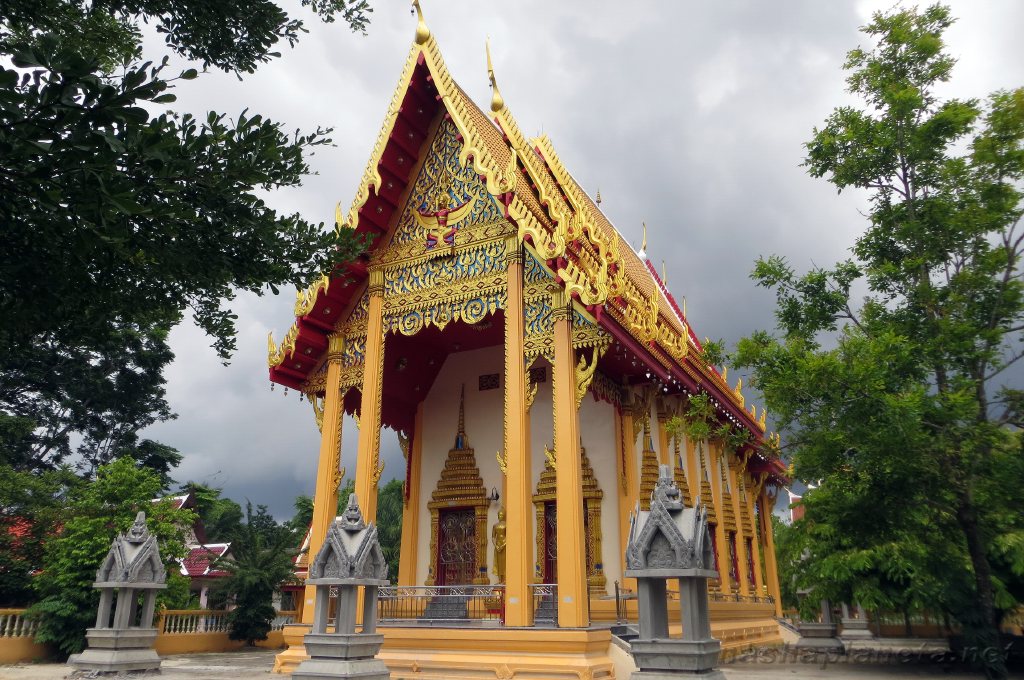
point(592, 495)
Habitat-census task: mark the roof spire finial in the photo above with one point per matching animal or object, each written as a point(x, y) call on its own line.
point(664, 275)
point(597, 199)
point(422, 32)
point(684, 306)
point(497, 102)
point(461, 440)
point(643, 246)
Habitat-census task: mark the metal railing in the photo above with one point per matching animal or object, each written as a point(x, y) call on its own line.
point(736, 597)
point(283, 618)
point(545, 603)
point(14, 624)
point(438, 605)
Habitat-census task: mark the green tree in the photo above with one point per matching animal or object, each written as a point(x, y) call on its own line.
point(54, 394)
point(95, 512)
point(260, 561)
point(221, 517)
point(303, 516)
point(160, 211)
point(31, 507)
point(118, 222)
point(787, 557)
point(897, 404)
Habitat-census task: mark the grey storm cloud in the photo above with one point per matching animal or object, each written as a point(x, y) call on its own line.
point(689, 116)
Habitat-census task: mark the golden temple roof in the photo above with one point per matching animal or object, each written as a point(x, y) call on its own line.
point(560, 220)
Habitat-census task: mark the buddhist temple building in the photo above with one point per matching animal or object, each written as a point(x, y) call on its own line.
point(535, 368)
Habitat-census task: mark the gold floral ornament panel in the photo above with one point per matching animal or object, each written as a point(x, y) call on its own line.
point(447, 196)
point(468, 311)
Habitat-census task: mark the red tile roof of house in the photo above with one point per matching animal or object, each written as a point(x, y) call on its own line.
point(198, 560)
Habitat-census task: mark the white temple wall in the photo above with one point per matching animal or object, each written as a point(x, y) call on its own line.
point(484, 429)
point(542, 433)
point(597, 429)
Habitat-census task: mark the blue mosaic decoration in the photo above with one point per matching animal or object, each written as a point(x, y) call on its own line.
point(445, 184)
point(578, 320)
point(355, 350)
point(484, 259)
point(537, 316)
point(534, 271)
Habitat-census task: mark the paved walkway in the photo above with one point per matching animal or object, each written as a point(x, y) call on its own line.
point(257, 664)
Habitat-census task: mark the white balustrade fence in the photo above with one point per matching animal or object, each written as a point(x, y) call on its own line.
point(14, 624)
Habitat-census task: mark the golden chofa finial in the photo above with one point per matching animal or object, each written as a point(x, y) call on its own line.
point(497, 102)
point(422, 32)
point(642, 253)
point(664, 275)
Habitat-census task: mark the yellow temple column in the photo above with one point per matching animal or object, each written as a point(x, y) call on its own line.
point(693, 470)
point(741, 538)
point(767, 508)
point(368, 457)
point(756, 540)
point(518, 475)
point(411, 510)
point(721, 534)
point(325, 499)
point(629, 481)
point(573, 598)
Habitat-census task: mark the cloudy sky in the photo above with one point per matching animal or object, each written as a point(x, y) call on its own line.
point(687, 115)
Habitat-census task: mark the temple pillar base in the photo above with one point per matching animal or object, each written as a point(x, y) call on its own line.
point(294, 636)
point(497, 653)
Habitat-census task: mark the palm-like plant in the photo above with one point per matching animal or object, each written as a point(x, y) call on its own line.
point(260, 561)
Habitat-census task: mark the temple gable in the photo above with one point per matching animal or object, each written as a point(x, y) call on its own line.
point(447, 187)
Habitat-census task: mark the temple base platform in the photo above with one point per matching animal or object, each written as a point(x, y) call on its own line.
point(495, 653)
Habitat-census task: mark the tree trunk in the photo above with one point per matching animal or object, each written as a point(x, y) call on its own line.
point(986, 634)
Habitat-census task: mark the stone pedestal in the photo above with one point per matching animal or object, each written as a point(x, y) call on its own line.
point(117, 651)
point(350, 560)
point(122, 640)
point(342, 656)
point(855, 628)
point(820, 635)
point(672, 542)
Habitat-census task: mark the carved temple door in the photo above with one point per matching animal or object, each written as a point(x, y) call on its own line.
point(550, 543)
point(457, 547)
